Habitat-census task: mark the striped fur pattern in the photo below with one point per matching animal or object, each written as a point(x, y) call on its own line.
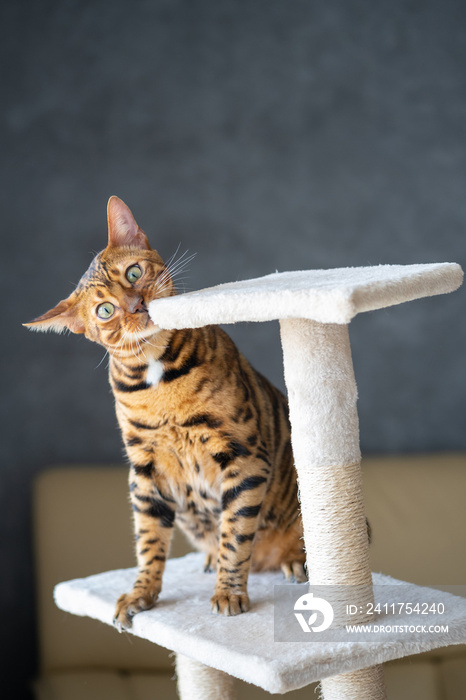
point(207, 436)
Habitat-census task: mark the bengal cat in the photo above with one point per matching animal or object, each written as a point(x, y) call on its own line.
point(207, 436)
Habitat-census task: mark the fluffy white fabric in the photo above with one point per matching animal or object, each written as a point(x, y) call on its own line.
point(244, 646)
point(328, 296)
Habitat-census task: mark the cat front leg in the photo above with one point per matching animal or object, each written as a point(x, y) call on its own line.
point(242, 498)
point(154, 516)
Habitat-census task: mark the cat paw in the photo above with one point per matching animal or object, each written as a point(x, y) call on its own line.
point(230, 603)
point(129, 604)
point(294, 572)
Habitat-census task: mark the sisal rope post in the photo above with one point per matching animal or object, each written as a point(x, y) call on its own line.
point(366, 684)
point(197, 681)
point(322, 398)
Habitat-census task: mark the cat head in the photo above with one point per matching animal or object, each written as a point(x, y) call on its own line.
point(109, 305)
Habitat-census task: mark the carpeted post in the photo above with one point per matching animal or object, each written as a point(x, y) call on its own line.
point(322, 397)
point(199, 682)
point(366, 684)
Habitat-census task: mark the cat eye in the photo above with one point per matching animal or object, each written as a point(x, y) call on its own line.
point(105, 310)
point(133, 273)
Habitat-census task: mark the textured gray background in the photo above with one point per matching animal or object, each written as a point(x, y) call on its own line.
point(262, 135)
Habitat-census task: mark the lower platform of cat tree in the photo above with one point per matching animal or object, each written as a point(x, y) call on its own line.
point(244, 646)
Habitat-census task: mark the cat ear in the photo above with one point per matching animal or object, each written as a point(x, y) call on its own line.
point(63, 316)
point(122, 228)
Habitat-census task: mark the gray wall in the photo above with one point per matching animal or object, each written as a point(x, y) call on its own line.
point(262, 135)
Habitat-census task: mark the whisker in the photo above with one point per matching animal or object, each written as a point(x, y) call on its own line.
point(180, 283)
point(158, 347)
point(103, 358)
point(132, 348)
point(178, 279)
point(173, 267)
point(180, 263)
point(120, 343)
point(162, 285)
point(170, 260)
point(138, 343)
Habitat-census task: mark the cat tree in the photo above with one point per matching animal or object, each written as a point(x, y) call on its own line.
point(314, 308)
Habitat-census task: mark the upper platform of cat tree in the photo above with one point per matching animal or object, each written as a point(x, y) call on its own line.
point(327, 296)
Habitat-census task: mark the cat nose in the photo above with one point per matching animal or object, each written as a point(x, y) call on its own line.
point(136, 305)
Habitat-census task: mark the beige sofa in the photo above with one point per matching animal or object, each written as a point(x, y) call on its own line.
point(416, 506)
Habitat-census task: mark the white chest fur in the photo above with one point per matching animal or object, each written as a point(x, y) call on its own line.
point(154, 372)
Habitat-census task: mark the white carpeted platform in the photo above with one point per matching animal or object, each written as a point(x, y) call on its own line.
point(244, 646)
point(327, 296)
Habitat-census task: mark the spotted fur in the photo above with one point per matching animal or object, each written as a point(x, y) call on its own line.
point(207, 436)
